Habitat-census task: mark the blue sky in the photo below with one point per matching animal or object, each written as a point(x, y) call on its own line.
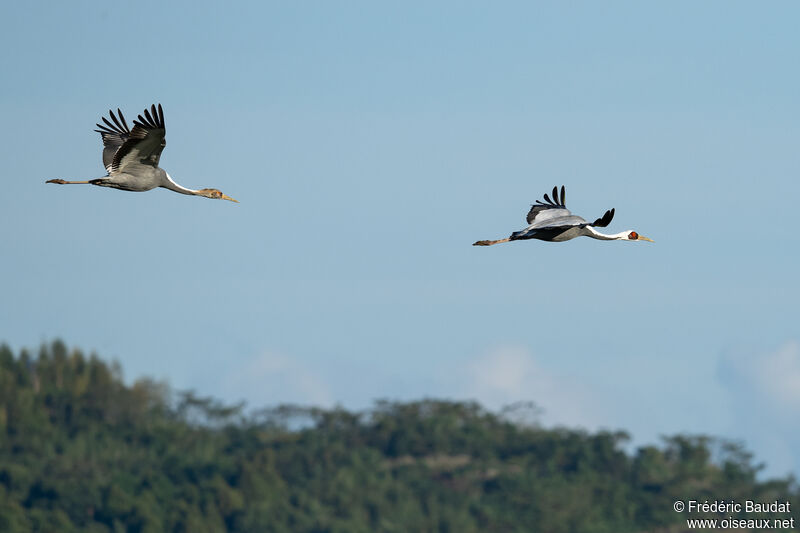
point(369, 145)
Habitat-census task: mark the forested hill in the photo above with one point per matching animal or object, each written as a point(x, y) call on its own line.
point(82, 451)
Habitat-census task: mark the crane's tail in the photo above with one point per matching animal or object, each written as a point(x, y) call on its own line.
point(489, 243)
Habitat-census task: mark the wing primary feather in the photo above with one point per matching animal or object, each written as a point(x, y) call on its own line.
point(116, 120)
point(156, 118)
point(547, 198)
point(563, 197)
point(122, 118)
point(142, 121)
point(119, 128)
point(555, 195)
point(604, 220)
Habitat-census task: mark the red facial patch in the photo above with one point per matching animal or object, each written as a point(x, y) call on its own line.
point(633, 235)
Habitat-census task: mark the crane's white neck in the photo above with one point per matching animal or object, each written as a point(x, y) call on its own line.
point(171, 185)
point(622, 236)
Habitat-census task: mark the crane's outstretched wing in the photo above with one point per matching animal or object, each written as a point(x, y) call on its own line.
point(144, 144)
point(554, 214)
point(114, 135)
point(548, 209)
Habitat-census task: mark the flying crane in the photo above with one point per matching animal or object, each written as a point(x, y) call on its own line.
point(550, 220)
point(131, 156)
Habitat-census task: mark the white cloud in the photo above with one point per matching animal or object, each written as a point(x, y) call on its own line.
point(779, 377)
point(271, 379)
point(770, 379)
point(764, 389)
point(510, 374)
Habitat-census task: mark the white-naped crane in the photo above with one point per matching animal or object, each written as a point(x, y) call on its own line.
point(552, 221)
point(131, 156)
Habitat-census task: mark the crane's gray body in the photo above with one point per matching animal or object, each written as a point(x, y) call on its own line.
point(555, 233)
point(148, 178)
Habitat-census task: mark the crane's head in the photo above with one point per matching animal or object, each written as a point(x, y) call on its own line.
point(633, 236)
point(214, 193)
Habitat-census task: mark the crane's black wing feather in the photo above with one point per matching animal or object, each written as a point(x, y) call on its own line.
point(544, 209)
point(604, 220)
point(145, 142)
point(114, 135)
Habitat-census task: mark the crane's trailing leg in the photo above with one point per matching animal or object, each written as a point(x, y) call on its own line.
point(65, 182)
point(489, 243)
point(103, 182)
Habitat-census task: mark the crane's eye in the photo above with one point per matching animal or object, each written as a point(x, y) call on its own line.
point(633, 236)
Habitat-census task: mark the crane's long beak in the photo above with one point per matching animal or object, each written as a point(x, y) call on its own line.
point(643, 238)
point(226, 197)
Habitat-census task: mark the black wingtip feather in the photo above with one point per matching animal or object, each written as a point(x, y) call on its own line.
point(152, 118)
point(117, 121)
point(558, 200)
point(114, 118)
point(118, 126)
point(605, 220)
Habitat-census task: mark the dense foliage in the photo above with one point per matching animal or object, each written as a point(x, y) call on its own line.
point(82, 451)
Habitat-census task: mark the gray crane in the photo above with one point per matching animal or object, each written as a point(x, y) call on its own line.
point(131, 156)
point(552, 221)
